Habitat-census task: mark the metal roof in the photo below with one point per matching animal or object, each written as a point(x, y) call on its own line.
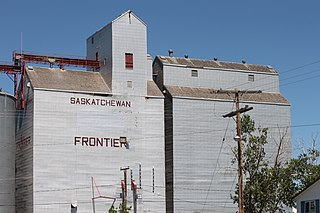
point(58, 79)
point(205, 93)
point(213, 64)
point(76, 80)
point(153, 90)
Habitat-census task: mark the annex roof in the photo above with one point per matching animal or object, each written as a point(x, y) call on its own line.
point(76, 80)
point(205, 93)
point(213, 64)
point(67, 80)
point(153, 90)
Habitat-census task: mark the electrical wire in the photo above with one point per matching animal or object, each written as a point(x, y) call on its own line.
point(214, 171)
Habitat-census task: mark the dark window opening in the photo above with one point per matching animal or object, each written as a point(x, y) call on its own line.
point(97, 56)
point(250, 77)
point(129, 60)
point(92, 40)
point(129, 84)
point(194, 73)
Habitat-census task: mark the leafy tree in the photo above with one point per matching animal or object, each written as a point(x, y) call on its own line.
point(271, 187)
point(122, 209)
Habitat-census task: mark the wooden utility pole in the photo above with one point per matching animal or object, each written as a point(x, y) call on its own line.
point(240, 166)
point(238, 139)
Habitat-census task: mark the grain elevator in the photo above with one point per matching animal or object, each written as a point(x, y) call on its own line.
point(83, 128)
point(129, 129)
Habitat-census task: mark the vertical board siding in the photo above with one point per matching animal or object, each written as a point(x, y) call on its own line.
point(63, 169)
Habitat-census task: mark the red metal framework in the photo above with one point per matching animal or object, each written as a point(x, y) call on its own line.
point(21, 59)
point(10, 69)
point(54, 60)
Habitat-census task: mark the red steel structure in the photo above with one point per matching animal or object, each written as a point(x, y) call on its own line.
point(21, 59)
point(54, 60)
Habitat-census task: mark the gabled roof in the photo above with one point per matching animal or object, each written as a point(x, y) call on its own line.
point(205, 93)
point(67, 80)
point(130, 13)
point(212, 64)
point(306, 189)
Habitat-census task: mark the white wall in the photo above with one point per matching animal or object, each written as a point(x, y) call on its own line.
point(225, 79)
point(312, 193)
point(62, 170)
point(7, 153)
point(204, 176)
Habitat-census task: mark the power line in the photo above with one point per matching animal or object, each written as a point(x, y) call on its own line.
point(286, 71)
point(212, 176)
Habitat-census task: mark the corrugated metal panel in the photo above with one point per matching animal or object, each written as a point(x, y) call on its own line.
point(53, 78)
point(153, 90)
point(203, 175)
point(24, 156)
point(215, 78)
point(177, 91)
point(63, 165)
point(197, 63)
point(7, 153)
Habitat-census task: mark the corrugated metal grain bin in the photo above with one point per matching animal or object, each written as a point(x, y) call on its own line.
point(7, 153)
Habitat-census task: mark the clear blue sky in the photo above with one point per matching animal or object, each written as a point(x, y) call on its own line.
point(284, 34)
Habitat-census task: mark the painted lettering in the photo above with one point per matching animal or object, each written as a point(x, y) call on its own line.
point(99, 102)
point(72, 100)
point(101, 141)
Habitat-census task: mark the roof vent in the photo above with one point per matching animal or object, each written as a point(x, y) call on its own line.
point(243, 61)
point(215, 59)
point(186, 56)
point(170, 51)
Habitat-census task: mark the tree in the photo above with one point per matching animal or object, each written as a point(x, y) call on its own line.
point(122, 209)
point(271, 186)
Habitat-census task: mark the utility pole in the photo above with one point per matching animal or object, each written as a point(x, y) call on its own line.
point(124, 186)
point(238, 139)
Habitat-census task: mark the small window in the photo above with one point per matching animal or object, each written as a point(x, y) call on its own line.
point(129, 60)
point(97, 56)
point(310, 207)
point(92, 40)
point(250, 77)
point(129, 84)
point(194, 73)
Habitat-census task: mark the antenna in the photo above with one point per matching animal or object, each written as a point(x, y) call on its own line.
point(21, 42)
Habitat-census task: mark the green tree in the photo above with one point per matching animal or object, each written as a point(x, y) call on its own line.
point(270, 187)
point(122, 209)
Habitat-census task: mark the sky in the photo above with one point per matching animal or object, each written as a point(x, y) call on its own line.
point(284, 34)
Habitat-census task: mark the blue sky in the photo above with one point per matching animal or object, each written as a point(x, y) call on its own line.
point(284, 34)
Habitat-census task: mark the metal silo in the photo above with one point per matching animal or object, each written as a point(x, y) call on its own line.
point(7, 153)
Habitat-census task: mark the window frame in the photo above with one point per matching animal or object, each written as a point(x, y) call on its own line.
point(251, 77)
point(128, 60)
point(194, 73)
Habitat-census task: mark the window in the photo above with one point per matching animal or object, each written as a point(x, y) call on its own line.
point(194, 73)
point(129, 60)
point(97, 56)
point(250, 77)
point(309, 206)
point(92, 40)
point(129, 84)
